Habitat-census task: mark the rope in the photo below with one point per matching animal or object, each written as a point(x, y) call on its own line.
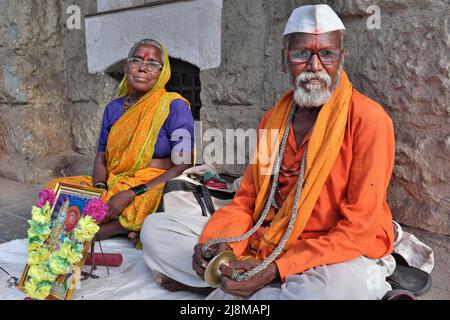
point(207, 254)
point(275, 253)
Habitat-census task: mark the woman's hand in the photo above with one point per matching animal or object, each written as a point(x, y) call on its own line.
point(249, 287)
point(118, 203)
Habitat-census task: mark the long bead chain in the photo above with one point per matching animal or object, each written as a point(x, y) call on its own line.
point(275, 172)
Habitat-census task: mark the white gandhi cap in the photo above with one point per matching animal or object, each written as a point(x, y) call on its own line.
point(313, 19)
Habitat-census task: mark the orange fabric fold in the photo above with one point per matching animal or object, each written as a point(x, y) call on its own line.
point(135, 213)
point(324, 146)
point(351, 217)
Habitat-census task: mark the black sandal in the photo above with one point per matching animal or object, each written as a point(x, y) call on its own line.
point(406, 277)
point(399, 294)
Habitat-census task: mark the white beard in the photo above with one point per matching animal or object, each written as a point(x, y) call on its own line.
point(308, 95)
point(312, 97)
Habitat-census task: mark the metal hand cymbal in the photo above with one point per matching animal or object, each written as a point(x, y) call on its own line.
point(213, 272)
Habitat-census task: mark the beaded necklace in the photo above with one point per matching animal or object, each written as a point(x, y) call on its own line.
point(127, 104)
point(236, 276)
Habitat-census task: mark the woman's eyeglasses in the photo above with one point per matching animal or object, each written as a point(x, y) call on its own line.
point(326, 56)
point(153, 66)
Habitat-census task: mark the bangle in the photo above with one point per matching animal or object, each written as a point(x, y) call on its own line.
point(101, 185)
point(140, 189)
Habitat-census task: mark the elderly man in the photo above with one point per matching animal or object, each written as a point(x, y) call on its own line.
point(315, 217)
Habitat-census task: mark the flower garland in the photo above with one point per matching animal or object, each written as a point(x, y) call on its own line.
point(45, 266)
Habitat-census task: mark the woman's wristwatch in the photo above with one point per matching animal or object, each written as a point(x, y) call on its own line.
point(101, 185)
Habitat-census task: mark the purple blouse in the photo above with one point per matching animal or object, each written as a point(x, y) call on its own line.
point(180, 117)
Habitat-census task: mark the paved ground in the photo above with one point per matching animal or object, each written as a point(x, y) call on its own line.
point(16, 200)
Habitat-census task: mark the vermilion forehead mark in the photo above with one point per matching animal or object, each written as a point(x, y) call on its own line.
point(314, 41)
point(146, 55)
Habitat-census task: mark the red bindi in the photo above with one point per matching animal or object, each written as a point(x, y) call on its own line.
point(146, 55)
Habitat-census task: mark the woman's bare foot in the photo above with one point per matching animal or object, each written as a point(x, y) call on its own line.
point(110, 229)
point(134, 237)
point(172, 285)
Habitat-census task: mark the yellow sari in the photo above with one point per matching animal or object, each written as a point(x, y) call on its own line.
point(130, 148)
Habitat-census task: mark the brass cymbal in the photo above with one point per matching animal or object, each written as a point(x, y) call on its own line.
point(212, 272)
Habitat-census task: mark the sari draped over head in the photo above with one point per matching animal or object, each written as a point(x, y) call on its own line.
point(130, 148)
point(324, 145)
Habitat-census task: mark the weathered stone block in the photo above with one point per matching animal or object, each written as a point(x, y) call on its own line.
point(50, 106)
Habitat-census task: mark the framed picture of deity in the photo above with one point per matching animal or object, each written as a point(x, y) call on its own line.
point(62, 227)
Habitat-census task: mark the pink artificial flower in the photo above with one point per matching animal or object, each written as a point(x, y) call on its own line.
point(97, 209)
point(44, 196)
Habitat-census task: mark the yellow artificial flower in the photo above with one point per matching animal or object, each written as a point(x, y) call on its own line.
point(38, 231)
point(40, 215)
point(86, 229)
point(47, 209)
point(58, 265)
point(43, 291)
point(31, 288)
point(37, 290)
point(73, 253)
point(35, 246)
point(38, 256)
point(41, 273)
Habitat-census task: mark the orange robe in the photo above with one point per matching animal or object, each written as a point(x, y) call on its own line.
point(351, 217)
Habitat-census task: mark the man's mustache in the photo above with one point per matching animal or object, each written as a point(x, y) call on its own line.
point(306, 76)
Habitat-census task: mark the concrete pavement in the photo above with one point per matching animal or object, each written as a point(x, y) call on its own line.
point(16, 200)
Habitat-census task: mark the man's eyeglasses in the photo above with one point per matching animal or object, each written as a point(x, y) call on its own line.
point(326, 56)
point(153, 66)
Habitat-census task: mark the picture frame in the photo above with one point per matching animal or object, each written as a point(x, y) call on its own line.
point(65, 214)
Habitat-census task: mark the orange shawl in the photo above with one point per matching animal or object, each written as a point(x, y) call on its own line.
point(324, 146)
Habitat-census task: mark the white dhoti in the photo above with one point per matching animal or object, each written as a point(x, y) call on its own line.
point(169, 239)
point(168, 242)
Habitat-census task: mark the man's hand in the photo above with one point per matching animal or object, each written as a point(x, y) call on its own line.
point(199, 263)
point(119, 202)
point(247, 288)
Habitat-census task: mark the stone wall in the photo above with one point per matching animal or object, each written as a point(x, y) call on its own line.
point(49, 105)
point(404, 66)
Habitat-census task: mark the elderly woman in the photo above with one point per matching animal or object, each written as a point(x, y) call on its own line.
point(146, 139)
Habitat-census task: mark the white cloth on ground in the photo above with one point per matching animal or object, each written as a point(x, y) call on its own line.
point(415, 252)
point(169, 239)
point(133, 280)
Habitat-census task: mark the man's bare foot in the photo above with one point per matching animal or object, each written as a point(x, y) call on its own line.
point(174, 286)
